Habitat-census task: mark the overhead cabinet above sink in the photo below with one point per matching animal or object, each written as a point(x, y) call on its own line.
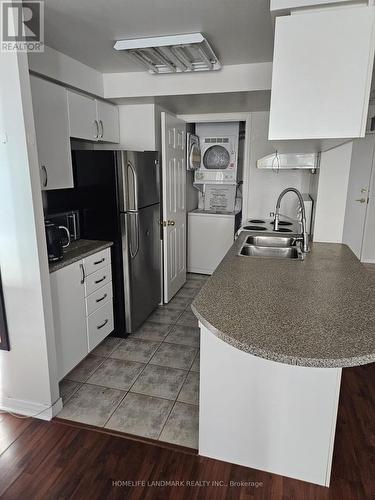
point(322, 69)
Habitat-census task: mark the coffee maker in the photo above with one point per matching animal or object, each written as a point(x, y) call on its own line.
point(56, 240)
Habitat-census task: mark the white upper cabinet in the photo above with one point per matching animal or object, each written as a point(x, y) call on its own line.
point(322, 70)
point(92, 119)
point(52, 134)
point(108, 122)
point(82, 117)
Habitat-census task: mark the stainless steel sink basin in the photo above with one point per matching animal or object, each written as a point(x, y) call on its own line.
point(271, 241)
point(286, 252)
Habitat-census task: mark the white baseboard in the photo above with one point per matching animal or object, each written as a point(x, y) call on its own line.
point(368, 261)
point(199, 270)
point(30, 409)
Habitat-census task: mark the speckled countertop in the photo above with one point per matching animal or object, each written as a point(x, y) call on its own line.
point(318, 312)
point(77, 250)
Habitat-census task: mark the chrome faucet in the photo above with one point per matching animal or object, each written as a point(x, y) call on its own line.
point(305, 236)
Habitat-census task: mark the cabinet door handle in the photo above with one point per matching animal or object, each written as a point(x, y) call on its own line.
point(45, 181)
point(99, 281)
point(101, 129)
point(99, 261)
point(102, 298)
point(103, 324)
point(83, 274)
point(97, 129)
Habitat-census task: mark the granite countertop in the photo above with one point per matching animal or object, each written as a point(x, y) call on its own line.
point(319, 312)
point(77, 250)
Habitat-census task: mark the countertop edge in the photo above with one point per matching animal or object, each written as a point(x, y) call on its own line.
point(61, 264)
point(280, 358)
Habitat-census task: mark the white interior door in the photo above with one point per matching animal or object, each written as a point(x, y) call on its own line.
point(174, 203)
point(358, 193)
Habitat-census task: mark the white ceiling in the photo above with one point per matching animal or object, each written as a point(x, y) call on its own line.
point(240, 31)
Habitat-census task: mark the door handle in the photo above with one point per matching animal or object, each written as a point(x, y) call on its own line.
point(132, 195)
point(45, 181)
point(103, 324)
point(83, 274)
point(96, 136)
point(362, 200)
point(102, 298)
point(101, 129)
point(99, 261)
point(171, 223)
point(99, 281)
point(134, 252)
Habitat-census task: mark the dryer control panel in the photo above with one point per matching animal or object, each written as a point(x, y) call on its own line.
point(212, 177)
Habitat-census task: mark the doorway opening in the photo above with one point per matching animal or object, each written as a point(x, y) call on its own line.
point(202, 192)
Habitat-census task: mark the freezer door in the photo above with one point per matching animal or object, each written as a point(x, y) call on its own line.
point(139, 179)
point(141, 255)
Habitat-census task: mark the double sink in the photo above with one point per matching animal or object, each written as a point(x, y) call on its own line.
point(279, 247)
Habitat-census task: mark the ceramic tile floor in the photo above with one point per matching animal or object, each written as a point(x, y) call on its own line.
point(147, 384)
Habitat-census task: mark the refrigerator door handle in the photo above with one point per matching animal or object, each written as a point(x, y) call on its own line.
point(132, 187)
point(133, 252)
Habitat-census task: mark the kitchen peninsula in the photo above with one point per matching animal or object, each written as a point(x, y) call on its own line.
point(275, 335)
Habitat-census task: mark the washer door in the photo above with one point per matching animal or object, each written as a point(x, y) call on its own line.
point(216, 158)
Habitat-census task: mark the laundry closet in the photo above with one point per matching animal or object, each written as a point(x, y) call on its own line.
point(213, 191)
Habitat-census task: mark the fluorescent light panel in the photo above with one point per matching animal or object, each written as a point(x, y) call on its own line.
point(171, 54)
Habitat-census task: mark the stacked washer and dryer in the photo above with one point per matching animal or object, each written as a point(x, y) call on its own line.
point(213, 155)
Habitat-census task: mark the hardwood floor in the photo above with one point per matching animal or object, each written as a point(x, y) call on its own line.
point(51, 460)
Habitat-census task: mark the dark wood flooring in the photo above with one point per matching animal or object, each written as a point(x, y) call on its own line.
point(52, 460)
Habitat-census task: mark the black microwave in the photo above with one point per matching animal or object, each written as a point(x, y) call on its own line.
point(68, 219)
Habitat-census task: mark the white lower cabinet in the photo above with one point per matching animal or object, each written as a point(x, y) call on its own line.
point(99, 324)
point(98, 298)
point(82, 310)
point(98, 279)
point(69, 315)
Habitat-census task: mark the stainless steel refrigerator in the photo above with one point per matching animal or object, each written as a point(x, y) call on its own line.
point(117, 194)
point(139, 206)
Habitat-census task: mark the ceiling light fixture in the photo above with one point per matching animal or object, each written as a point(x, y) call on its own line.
point(171, 54)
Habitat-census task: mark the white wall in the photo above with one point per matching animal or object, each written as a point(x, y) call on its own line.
point(332, 193)
point(368, 245)
point(62, 68)
point(232, 78)
point(266, 185)
point(28, 381)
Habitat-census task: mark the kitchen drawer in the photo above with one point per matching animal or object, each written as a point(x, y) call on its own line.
point(98, 298)
point(97, 261)
point(99, 325)
point(97, 280)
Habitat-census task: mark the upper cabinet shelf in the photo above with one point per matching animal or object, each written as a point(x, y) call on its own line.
point(322, 70)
